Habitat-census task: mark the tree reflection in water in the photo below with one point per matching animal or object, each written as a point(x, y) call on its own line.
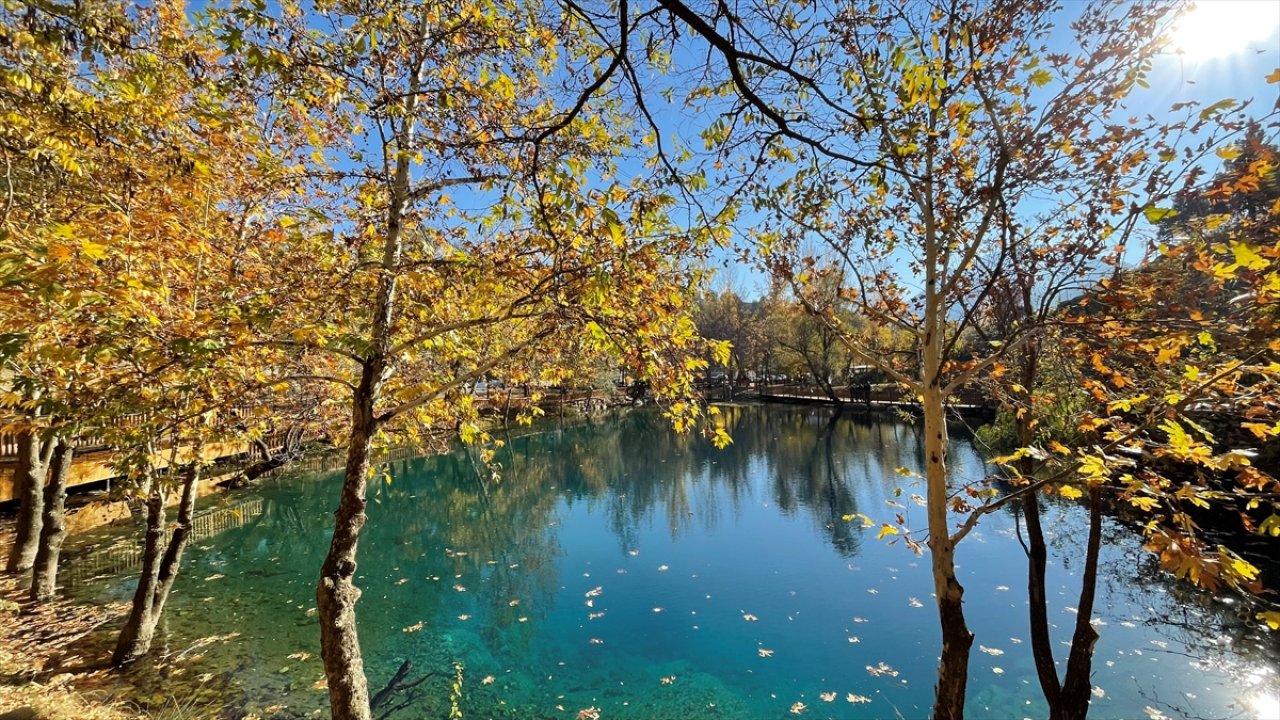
point(511, 570)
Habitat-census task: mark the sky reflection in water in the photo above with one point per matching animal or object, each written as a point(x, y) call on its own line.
point(615, 565)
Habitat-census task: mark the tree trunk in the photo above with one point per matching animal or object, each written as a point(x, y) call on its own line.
point(957, 641)
point(160, 567)
point(135, 638)
point(171, 563)
point(53, 530)
point(1037, 560)
point(1077, 686)
point(1037, 552)
point(28, 479)
point(336, 593)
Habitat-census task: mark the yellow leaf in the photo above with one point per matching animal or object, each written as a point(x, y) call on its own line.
point(1070, 492)
point(1146, 503)
point(1270, 526)
point(1246, 257)
point(93, 250)
point(886, 529)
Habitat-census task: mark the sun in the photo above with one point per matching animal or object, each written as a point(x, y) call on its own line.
point(1214, 28)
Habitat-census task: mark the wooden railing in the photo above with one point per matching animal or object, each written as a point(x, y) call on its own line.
point(127, 555)
point(92, 442)
point(876, 394)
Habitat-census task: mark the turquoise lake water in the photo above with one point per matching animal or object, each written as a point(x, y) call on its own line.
point(617, 566)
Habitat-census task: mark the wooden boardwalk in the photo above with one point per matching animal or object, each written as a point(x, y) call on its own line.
point(94, 462)
point(968, 404)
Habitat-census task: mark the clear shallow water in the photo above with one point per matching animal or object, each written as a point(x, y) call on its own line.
point(617, 566)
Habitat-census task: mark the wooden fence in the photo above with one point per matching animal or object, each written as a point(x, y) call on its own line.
point(120, 557)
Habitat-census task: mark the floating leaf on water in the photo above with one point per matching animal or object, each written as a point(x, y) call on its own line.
point(668, 680)
point(215, 576)
point(402, 581)
point(857, 699)
point(914, 603)
point(764, 653)
point(853, 639)
point(1099, 692)
point(827, 696)
point(749, 617)
point(998, 671)
point(513, 602)
point(596, 641)
point(487, 680)
point(991, 651)
point(657, 609)
point(663, 568)
point(882, 669)
point(413, 628)
point(633, 553)
point(300, 656)
point(591, 713)
point(596, 591)
point(798, 708)
point(464, 617)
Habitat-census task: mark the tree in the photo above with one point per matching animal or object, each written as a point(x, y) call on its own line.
point(123, 285)
point(1199, 322)
point(416, 115)
point(913, 143)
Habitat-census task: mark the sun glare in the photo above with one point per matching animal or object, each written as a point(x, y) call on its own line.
point(1265, 705)
point(1214, 28)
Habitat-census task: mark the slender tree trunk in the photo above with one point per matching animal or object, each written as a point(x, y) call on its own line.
point(161, 562)
point(171, 563)
point(1037, 560)
point(29, 477)
point(1068, 700)
point(139, 629)
point(957, 641)
point(1037, 552)
point(44, 576)
point(1077, 686)
point(336, 594)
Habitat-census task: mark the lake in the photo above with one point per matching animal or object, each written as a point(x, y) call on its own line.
point(615, 565)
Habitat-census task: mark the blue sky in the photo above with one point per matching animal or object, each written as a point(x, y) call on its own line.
point(1221, 49)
